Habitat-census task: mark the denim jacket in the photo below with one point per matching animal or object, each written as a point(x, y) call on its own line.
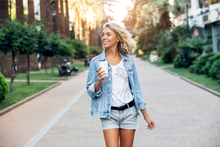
point(101, 100)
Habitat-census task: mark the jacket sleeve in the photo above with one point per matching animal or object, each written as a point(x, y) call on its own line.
point(137, 87)
point(91, 80)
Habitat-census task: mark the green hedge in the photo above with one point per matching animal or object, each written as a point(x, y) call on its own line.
point(202, 62)
point(3, 87)
point(209, 63)
point(214, 72)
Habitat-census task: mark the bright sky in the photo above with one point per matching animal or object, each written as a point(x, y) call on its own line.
point(120, 9)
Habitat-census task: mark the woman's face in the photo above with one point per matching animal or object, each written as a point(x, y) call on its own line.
point(109, 38)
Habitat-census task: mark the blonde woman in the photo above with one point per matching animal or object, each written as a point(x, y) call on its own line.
point(117, 98)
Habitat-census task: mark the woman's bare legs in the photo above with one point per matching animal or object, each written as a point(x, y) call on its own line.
point(126, 137)
point(111, 137)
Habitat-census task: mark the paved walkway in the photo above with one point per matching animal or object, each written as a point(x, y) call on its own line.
point(185, 115)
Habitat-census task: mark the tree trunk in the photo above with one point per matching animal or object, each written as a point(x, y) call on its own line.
point(62, 19)
point(4, 10)
point(54, 63)
point(43, 12)
point(31, 17)
point(67, 20)
point(46, 65)
point(49, 22)
point(27, 73)
point(165, 18)
point(13, 71)
point(20, 10)
point(57, 16)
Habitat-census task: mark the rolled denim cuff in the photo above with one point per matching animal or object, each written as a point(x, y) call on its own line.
point(92, 91)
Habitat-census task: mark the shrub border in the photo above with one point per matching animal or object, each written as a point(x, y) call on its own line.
point(6, 110)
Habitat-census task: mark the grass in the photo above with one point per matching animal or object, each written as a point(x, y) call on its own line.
point(79, 65)
point(205, 81)
point(179, 71)
point(200, 79)
point(160, 63)
point(42, 76)
point(21, 91)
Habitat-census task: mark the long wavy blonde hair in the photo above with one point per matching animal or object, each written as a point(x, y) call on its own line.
point(126, 43)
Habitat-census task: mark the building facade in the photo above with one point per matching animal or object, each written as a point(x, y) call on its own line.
point(205, 14)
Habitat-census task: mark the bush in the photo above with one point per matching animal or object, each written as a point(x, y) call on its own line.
point(201, 63)
point(177, 62)
point(166, 57)
point(3, 87)
point(214, 72)
point(209, 63)
point(95, 50)
point(192, 69)
point(192, 48)
point(145, 57)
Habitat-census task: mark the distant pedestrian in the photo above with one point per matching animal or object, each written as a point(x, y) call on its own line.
point(116, 94)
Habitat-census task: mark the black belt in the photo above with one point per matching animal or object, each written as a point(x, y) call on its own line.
point(128, 105)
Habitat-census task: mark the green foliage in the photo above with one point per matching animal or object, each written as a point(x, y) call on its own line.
point(95, 50)
point(177, 62)
point(166, 57)
point(66, 48)
point(17, 37)
point(201, 63)
point(192, 68)
point(43, 43)
point(214, 71)
point(81, 48)
point(3, 87)
point(192, 48)
point(145, 57)
point(209, 63)
point(166, 42)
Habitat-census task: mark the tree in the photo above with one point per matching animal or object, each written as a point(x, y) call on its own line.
point(62, 19)
point(67, 19)
point(86, 12)
point(31, 17)
point(81, 48)
point(28, 45)
point(20, 10)
point(162, 7)
point(18, 38)
point(9, 42)
point(4, 10)
point(57, 16)
point(48, 21)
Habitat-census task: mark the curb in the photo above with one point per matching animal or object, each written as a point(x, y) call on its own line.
point(4, 111)
point(193, 83)
point(170, 72)
point(200, 86)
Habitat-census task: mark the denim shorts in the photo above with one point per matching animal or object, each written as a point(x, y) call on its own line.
point(126, 119)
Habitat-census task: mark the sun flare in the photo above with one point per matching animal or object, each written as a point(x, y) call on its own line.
point(119, 9)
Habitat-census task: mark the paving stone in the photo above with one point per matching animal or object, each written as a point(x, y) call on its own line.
point(185, 115)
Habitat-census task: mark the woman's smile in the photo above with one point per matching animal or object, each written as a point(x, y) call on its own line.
point(109, 38)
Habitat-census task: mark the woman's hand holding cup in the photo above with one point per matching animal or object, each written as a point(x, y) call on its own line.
point(101, 74)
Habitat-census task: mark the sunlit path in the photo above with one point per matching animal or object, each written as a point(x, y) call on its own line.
point(184, 114)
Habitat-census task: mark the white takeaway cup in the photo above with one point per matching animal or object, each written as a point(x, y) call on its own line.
point(104, 65)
